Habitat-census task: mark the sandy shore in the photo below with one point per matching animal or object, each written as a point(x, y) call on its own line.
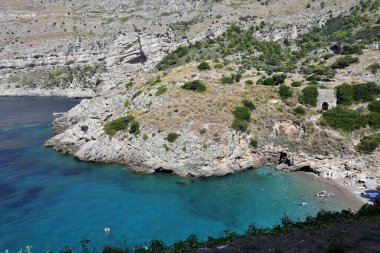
point(354, 200)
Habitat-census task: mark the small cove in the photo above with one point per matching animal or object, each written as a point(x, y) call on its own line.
point(48, 200)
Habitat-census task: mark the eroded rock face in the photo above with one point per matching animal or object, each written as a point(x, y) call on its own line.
point(126, 36)
point(187, 156)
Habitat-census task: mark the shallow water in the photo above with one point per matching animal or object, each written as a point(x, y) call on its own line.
point(48, 200)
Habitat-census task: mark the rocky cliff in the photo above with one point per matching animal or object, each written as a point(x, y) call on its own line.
point(127, 37)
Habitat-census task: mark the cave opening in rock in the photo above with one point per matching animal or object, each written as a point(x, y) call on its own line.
point(325, 106)
point(306, 169)
point(284, 159)
point(162, 170)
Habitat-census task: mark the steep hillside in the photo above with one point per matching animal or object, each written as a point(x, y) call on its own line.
point(250, 102)
point(62, 40)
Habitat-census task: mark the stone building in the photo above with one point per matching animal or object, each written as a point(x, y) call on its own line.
point(326, 99)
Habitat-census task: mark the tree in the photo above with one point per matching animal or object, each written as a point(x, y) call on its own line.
point(309, 95)
point(344, 94)
point(204, 66)
point(285, 91)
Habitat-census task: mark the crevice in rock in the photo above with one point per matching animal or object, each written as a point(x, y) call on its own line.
point(284, 159)
point(164, 171)
point(306, 169)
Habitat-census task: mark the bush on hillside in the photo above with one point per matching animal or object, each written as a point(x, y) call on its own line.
point(345, 119)
point(345, 94)
point(249, 105)
point(374, 106)
point(242, 113)
point(204, 66)
point(374, 120)
point(309, 95)
point(299, 110)
point(118, 124)
point(227, 80)
point(366, 92)
point(296, 84)
point(279, 78)
point(285, 91)
point(161, 90)
point(172, 137)
point(195, 85)
point(369, 144)
point(344, 62)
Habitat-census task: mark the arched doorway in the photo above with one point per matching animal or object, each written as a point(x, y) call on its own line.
point(325, 106)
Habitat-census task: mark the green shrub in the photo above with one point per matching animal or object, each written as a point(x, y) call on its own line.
point(218, 66)
point(242, 113)
point(344, 62)
point(249, 105)
point(285, 91)
point(253, 143)
point(239, 125)
point(374, 119)
point(279, 78)
point(126, 103)
point(128, 85)
point(374, 67)
point(145, 137)
point(374, 106)
point(84, 128)
point(345, 94)
point(352, 49)
point(296, 84)
point(366, 92)
point(369, 144)
point(299, 110)
point(309, 95)
point(204, 66)
point(227, 80)
point(237, 77)
point(248, 82)
point(158, 80)
point(195, 85)
point(345, 119)
point(110, 128)
point(134, 127)
point(268, 81)
point(161, 90)
point(172, 137)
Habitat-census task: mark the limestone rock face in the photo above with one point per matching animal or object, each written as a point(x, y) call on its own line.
point(230, 154)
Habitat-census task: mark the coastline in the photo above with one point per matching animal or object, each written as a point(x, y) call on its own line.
point(354, 200)
point(67, 93)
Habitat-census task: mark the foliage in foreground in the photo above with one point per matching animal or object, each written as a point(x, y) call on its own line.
point(321, 220)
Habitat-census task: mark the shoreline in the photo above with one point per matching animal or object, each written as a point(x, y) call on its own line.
point(354, 200)
point(40, 92)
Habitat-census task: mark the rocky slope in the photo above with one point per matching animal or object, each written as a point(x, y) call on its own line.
point(207, 145)
point(109, 49)
point(127, 37)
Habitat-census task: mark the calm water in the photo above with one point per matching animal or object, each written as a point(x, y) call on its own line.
point(48, 200)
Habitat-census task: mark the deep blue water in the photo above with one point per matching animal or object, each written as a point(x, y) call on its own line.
point(48, 200)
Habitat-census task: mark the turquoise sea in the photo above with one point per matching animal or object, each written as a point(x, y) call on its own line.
point(48, 200)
